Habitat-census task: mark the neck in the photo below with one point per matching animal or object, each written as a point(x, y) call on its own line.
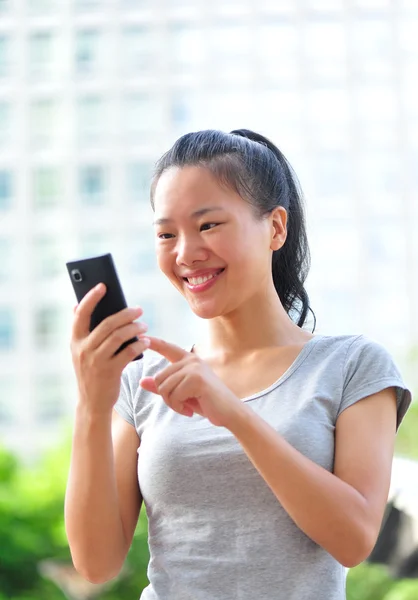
point(258, 324)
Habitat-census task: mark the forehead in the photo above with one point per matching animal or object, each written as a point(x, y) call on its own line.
point(188, 188)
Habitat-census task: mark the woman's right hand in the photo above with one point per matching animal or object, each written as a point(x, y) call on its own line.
point(97, 370)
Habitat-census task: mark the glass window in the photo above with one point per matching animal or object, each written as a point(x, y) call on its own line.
point(143, 114)
point(140, 49)
point(318, 38)
point(6, 262)
point(333, 177)
point(43, 6)
point(380, 179)
point(41, 54)
point(5, 6)
point(7, 403)
point(46, 186)
point(373, 48)
point(372, 4)
point(92, 181)
point(326, 5)
point(93, 244)
point(377, 103)
point(407, 37)
point(5, 189)
point(85, 5)
point(87, 52)
point(48, 257)
point(138, 175)
point(43, 122)
point(284, 7)
point(50, 399)
point(91, 119)
point(277, 47)
point(7, 328)
point(46, 325)
point(4, 55)
point(5, 122)
point(186, 45)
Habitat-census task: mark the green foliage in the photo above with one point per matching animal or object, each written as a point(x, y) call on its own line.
point(32, 529)
point(404, 590)
point(368, 582)
point(407, 438)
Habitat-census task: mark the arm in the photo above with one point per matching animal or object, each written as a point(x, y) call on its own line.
point(340, 511)
point(103, 500)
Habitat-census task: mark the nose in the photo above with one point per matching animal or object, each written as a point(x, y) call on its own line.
point(190, 250)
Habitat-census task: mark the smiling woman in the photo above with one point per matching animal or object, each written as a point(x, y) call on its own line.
point(278, 477)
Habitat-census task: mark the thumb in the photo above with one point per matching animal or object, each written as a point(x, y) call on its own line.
point(148, 383)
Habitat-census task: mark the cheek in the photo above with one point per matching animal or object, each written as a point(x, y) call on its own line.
point(164, 261)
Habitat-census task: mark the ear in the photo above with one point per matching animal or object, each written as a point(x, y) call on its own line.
point(278, 218)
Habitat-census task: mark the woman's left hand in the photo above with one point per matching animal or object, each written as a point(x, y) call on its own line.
point(188, 385)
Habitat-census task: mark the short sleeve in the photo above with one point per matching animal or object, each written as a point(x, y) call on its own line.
point(369, 368)
point(124, 405)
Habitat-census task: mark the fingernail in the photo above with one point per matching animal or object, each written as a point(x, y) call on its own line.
point(146, 341)
point(99, 287)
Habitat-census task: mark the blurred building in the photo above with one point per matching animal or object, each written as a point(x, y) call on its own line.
point(92, 92)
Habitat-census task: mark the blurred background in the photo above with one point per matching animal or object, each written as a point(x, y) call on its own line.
point(91, 94)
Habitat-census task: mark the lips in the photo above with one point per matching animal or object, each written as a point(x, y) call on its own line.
point(203, 281)
point(198, 279)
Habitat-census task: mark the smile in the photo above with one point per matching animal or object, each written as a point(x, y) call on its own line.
point(200, 284)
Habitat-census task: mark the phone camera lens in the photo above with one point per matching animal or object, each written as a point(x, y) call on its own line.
point(76, 275)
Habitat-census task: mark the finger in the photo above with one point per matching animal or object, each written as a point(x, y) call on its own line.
point(85, 309)
point(174, 392)
point(148, 383)
point(171, 352)
point(162, 375)
point(114, 341)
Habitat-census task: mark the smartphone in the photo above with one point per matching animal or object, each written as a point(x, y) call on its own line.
point(85, 274)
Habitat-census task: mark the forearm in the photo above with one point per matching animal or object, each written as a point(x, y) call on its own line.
point(328, 510)
point(92, 514)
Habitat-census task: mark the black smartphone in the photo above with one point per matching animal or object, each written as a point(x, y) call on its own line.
point(85, 274)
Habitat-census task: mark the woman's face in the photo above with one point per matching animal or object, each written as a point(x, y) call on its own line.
point(209, 243)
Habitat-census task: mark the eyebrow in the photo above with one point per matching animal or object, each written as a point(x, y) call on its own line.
point(195, 215)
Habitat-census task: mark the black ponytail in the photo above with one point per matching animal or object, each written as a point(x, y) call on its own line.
point(254, 167)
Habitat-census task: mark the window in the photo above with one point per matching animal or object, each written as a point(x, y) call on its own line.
point(5, 189)
point(43, 122)
point(139, 48)
point(7, 328)
point(380, 178)
point(333, 177)
point(7, 403)
point(5, 122)
point(377, 103)
point(143, 114)
point(43, 6)
point(86, 5)
point(186, 45)
point(4, 56)
point(46, 324)
point(87, 52)
point(138, 176)
point(50, 399)
point(6, 262)
point(92, 185)
point(373, 48)
point(407, 37)
point(91, 119)
point(46, 186)
point(48, 259)
point(4, 6)
point(318, 38)
point(93, 244)
point(41, 55)
point(277, 47)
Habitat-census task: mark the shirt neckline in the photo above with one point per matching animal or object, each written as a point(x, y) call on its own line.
point(303, 354)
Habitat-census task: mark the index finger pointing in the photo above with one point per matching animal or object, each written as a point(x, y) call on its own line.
point(171, 352)
point(85, 309)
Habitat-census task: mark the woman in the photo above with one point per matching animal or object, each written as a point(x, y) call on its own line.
point(263, 455)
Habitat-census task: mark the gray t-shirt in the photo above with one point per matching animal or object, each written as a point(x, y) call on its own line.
point(216, 530)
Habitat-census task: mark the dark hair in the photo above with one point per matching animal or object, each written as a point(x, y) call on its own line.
point(255, 168)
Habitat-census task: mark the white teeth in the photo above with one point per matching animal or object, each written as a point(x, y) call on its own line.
point(199, 280)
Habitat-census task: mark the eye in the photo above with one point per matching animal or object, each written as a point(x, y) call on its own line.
point(165, 236)
point(207, 226)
